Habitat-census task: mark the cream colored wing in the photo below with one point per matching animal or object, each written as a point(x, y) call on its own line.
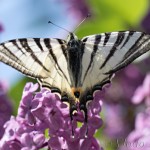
point(106, 53)
point(43, 59)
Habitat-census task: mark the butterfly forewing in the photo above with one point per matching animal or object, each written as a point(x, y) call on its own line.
point(109, 52)
point(43, 59)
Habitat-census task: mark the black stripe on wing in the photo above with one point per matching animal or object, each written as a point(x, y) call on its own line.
point(38, 43)
point(63, 48)
point(82, 52)
point(9, 51)
point(107, 36)
point(95, 48)
point(24, 43)
point(14, 42)
point(12, 60)
point(141, 46)
point(120, 38)
point(128, 38)
point(47, 43)
point(130, 51)
point(83, 47)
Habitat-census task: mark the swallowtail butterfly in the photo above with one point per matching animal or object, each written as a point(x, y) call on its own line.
point(75, 68)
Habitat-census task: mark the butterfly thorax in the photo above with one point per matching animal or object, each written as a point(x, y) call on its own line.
point(74, 60)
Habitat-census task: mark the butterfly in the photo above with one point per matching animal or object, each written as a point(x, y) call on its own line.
point(75, 68)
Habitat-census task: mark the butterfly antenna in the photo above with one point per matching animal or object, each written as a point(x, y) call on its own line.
point(58, 26)
point(88, 15)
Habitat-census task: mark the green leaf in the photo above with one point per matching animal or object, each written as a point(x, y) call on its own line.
point(46, 133)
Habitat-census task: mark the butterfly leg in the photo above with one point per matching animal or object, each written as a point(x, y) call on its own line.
point(85, 99)
point(72, 108)
point(73, 111)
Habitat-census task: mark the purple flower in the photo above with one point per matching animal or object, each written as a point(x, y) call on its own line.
point(19, 134)
point(86, 144)
point(143, 92)
point(32, 140)
point(146, 23)
point(116, 125)
point(118, 102)
point(5, 107)
point(44, 121)
point(26, 104)
point(138, 139)
point(11, 145)
point(124, 84)
point(9, 139)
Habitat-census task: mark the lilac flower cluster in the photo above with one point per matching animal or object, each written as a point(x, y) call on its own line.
point(118, 103)
point(116, 127)
point(143, 92)
point(43, 121)
point(138, 139)
point(5, 107)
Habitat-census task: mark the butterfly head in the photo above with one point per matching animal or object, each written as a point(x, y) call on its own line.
point(72, 40)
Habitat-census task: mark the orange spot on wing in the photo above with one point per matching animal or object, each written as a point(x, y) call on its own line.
point(76, 90)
